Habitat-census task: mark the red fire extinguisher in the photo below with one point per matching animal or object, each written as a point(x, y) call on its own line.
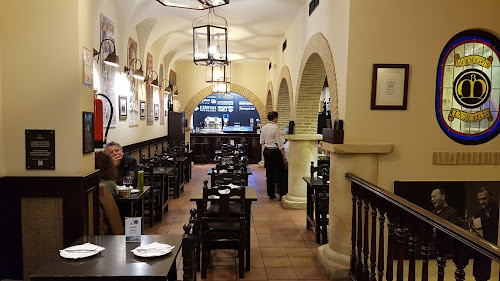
point(99, 139)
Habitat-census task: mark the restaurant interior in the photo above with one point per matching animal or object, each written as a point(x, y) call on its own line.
point(142, 153)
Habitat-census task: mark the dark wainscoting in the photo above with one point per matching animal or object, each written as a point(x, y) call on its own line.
point(213, 139)
point(143, 146)
point(75, 193)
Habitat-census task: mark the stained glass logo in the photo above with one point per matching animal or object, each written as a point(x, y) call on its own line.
point(468, 87)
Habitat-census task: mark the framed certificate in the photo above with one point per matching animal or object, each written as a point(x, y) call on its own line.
point(390, 86)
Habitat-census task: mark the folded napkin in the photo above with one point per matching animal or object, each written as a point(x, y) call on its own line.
point(152, 250)
point(233, 185)
point(224, 191)
point(123, 187)
point(80, 251)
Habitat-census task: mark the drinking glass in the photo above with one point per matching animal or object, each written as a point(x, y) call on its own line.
point(127, 181)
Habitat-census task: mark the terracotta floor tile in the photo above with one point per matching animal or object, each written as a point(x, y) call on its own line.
point(310, 273)
point(222, 274)
point(309, 262)
point(295, 244)
point(289, 236)
point(270, 243)
point(268, 236)
point(299, 252)
point(277, 262)
point(255, 253)
point(256, 262)
point(255, 274)
point(273, 252)
point(222, 262)
point(281, 274)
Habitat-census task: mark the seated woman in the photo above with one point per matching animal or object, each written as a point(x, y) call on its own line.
point(107, 171)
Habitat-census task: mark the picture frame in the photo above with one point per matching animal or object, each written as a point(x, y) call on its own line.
point(390, 86)
point(157, 111)
point(88, 132)
point(123, 107)
point(143, 109)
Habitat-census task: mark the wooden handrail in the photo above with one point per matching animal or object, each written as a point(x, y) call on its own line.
point(481, 245)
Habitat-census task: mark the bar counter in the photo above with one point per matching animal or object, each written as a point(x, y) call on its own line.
point(213, 139)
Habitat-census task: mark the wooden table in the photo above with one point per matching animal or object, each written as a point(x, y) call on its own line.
point(212, 181)
point(249, 171)
point(163, 172)
point(250, 196)
point(128, 205)
point(116, 262)
point(313, 186)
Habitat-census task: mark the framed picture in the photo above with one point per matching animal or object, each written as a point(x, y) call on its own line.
point(88, 132)
point(390, 86)
point(157, 111)
point(123, 107)
point(143, 109)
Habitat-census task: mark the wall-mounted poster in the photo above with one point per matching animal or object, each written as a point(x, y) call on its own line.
point(133, 104)
point(88, 132)
point(107, 72)
point(468, 87)
point(162, 95)
point(87, 67)
point(40, 149)
point(149, 91)
point(143, 109)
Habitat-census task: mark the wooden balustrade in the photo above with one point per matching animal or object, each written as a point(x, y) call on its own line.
point(413, 234)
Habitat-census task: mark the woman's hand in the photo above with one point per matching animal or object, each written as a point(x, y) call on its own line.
point(285, 160)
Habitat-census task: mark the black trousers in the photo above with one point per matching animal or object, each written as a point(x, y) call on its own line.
point(274, 169)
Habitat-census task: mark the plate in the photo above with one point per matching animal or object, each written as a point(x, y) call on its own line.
point(135, 190)
point(77, 255)
point(150, 254)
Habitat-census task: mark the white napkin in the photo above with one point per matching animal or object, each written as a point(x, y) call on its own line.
point(80, 251)
point(233, 185)
point(224, 191)
point(152, 250)
point(123, 187)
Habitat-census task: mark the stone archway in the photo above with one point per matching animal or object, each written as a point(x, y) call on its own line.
point(284, 101)
point(269, 101)
point(207, 91)
point(317, 62)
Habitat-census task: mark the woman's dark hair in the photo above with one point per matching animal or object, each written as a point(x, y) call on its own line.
point(104, 163)
point(271, 115)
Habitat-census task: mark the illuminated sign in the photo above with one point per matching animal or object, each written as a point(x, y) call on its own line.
point(468, 87)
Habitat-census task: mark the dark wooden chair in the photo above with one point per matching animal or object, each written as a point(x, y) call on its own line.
point(223, 230)
point(155, 197)
point(201, 153)
point(190, 248)
point(321, 199)
point(234, 177)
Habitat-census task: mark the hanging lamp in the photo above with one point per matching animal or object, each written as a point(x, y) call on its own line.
point(210, 40)
point(193, 4)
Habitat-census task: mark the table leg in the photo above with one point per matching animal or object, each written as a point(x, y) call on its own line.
point(142, 214)
point(248, 206)
point(151, 216)
point(172, 272)
point(309, 206)
point(317, 218)
point(162, 196)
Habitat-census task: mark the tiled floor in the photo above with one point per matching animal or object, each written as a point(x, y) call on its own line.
point(282, 247)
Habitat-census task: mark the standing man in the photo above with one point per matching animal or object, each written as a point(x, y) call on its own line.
point(441, 208)
point(274, 153)
point(126, 165)
point(485, 224)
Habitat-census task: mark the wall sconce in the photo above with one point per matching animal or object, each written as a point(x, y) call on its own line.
point(154, 82)
point(112, 59)
point(194, 4)
point(138, 73)
point(168, 88)
point(210, 40)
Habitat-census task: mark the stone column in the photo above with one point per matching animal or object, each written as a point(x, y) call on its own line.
point(302, 150)
point(360, 160)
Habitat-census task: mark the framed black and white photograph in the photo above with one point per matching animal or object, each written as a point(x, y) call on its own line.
point(88, 132)
point(123, 107)
point(157, 111)
point(143, 109)
point(390, 86)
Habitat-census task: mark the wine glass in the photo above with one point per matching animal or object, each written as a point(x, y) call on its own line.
point(127, 181)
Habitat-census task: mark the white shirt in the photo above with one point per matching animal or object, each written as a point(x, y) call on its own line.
point(270, 136)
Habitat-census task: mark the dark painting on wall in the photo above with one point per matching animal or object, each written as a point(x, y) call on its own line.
point(88, 132)
point(471, 199)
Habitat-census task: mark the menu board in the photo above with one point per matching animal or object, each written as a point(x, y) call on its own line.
point(235, 106)
point(40, 150)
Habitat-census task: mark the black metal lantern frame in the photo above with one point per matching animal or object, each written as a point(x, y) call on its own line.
point(221, 87)
point(210, 40)
point(193, 4)
point(218, 73)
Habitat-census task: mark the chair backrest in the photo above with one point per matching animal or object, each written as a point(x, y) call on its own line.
point(226, 178)
point(321, 170)
point(189, 248)
point(223, 195)
point(110, 220)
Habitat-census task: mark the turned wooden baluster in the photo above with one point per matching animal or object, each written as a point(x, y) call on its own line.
point(441, 254)
point(390, 246)
point(366, 247)
point(461, 260)
point(401, 233)
point(412, 247)
point(353, 231)
point(381, 245)
point(359, 261)
point(425, 249)
point(373, 250)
